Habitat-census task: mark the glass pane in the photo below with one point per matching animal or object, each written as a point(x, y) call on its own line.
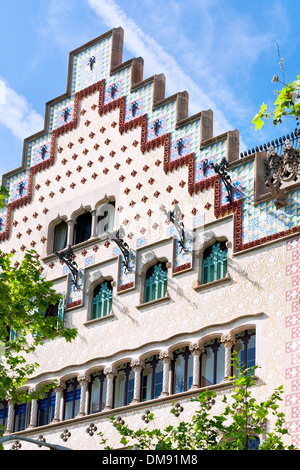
point(147, 382)
point(179, 374)
point(158, 379)
point(220, 363)
point(20, 417)
point(3, 414)
point(207, 367)
point(130, 387)
point(60, 236)
point(119, 389)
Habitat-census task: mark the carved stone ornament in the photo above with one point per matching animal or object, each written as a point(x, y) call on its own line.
point(281, 169)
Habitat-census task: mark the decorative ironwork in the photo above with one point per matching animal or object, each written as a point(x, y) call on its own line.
point(281, 169)
point(67, 257)
point(175, 216)
point(278, 144)
point(221, 170)
point(117, 237)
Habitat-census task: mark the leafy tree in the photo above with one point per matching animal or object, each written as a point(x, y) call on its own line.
point(24, 298)
point(287, 103)
point(236, 428)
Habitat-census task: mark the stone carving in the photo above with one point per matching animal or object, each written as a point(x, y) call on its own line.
point(281, 169)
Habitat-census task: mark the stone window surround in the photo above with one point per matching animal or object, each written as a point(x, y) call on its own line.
point(137, 361)
point(70, 210)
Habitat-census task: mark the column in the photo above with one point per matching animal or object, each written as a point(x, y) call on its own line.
point(10, 418)
point(71, 224)
point(137, 365)
point(34, 411)
point(166, 358)
point(58, 398)
point(228, 340)
point(83, 381)
point(94, 224)
point(196, 351)
point(110, 373)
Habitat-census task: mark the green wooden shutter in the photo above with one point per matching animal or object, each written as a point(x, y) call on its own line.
point(214, 266)
point(12, 335)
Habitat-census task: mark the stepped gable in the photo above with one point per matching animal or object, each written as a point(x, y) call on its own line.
point(97, 68)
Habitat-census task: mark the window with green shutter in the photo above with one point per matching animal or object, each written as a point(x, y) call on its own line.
point(156, 282)
point(102, 300)
point(214, 265)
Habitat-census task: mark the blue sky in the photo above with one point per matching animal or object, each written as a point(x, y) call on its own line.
point(223, 52)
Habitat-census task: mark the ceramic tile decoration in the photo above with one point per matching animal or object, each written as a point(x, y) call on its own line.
point(108, 142)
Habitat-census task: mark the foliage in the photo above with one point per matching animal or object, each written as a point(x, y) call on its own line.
point(242, 419)
point(24, 298)
point(287, 103)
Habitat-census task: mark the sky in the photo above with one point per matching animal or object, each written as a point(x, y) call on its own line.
point(224, 53)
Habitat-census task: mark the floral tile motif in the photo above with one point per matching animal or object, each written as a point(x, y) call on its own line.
point(20, 189)
point(156, 128)
point(134, 109)
point(180, 147)
point(113, 91)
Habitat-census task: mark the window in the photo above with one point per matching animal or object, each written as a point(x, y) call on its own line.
point(56, 310)
point(124, 386)
point(152, 379)
point(60, 236)
point(182, 370)
point(97, 392)
point(3, 413)
point(82, 228)
point(245, 348)
point(22, 414)
point(102, 300)
point(212, 363)
point(156, 282)
point(46, 407)
point(106, 218)
point(71, 399)
point(214, 264)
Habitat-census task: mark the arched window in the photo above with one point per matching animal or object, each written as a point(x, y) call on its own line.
point(182, 370)
point(245, 348)
point(124, 386)
point(152, 378)
point(82, 228)
point(212, 363)
point(102, 300)
point(46, 407)
point(106, 217)
point(71, 399)
point(214, 264)
point(60, 236)
point(97, 392)
point(156, 282)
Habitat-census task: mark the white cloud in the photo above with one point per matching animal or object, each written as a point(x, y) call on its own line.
point(17, 115)
point(157, 60)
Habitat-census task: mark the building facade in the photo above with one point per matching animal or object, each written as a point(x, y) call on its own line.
point(176, 266)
